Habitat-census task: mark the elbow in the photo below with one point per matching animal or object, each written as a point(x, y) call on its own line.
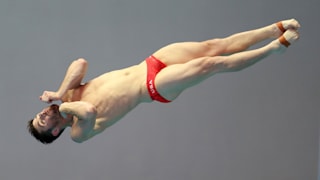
point(91, 111)
point(82, 63)
point(78, 140)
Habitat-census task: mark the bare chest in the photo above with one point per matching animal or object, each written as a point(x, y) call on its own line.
point(113, 94)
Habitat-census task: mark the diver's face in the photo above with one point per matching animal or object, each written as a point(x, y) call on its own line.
point(47, 119)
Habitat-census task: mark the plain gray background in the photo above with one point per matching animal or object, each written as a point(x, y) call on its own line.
point(257, 124)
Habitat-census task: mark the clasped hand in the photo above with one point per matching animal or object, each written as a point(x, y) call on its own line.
point(49, 96)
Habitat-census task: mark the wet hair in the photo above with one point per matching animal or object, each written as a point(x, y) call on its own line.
point(44, 137)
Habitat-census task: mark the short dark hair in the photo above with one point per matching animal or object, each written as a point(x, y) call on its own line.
point(43, 137)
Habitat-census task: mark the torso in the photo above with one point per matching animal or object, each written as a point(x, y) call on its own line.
point(114, 94)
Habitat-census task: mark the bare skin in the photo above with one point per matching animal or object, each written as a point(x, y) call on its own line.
point(92, 107)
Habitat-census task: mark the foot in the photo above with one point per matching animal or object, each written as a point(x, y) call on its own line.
point(281, 26)
point(284, 41)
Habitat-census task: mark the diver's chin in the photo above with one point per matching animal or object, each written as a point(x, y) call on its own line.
point(55, 109)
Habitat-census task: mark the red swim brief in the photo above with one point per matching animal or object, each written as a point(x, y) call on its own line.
point(154, 66)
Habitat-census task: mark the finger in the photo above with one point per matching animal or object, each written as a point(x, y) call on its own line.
point(45, 99)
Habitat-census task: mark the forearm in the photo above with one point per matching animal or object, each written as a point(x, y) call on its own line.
point(84, 123)
point(73, 77)
point(82, 110)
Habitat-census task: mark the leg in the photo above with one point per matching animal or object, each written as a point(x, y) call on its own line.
point(242, 41)
point(178, 53)
point(172, 80)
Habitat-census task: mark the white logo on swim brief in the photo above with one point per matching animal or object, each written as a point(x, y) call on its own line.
point(151, 87)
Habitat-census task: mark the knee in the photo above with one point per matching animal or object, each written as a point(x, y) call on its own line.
point(216, 64)
point(216, 46)
point(208, 65)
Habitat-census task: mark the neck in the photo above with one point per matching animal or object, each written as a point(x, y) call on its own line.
point(66, 122)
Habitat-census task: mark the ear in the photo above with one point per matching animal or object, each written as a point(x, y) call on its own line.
point(55, 131)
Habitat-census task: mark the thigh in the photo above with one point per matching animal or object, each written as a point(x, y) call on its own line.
point(178, 53)
point(174, 79)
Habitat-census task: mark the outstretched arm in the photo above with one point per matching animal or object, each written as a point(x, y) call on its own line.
point(84, 121)
point(72, 79)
